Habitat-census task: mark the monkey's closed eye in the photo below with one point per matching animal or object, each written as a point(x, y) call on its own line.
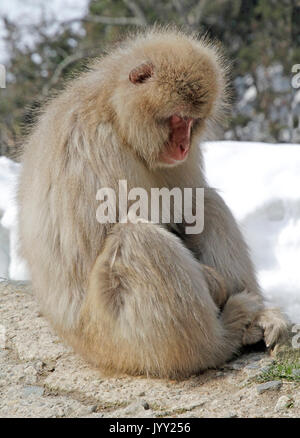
point(197, 123)
point(140, 74)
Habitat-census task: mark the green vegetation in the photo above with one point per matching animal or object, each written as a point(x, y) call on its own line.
point(281, 370)
point(286, 365)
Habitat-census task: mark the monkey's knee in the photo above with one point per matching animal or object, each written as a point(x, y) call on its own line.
point(141, 257)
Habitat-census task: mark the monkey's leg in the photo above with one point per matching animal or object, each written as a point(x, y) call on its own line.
point(216, 285)
point(222, 247)
point(148, 308)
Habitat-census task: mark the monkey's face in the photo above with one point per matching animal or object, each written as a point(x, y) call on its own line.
point(177, 148)
point(169, 87)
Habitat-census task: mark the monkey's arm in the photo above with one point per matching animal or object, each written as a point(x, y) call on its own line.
point(222, 247)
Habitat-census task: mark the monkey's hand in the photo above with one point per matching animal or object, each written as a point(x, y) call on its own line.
point(270, 325)
point(216, 284)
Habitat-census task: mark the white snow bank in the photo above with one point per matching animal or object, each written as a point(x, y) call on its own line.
point(260, 183)
point(4, 254)
point(10, 263)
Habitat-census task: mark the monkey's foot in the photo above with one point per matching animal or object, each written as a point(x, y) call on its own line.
point(269, 325)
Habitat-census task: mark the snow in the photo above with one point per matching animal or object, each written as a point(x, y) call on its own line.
point(260, 182)
point(27, 13)
point(11, 265)
point(249, 95)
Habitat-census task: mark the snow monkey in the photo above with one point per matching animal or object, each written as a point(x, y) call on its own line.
point(138, 298)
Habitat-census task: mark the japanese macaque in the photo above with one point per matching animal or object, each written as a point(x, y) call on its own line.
point(138, 298)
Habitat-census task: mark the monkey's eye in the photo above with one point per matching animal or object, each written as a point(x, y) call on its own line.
point(162, 121)
point(197, 122)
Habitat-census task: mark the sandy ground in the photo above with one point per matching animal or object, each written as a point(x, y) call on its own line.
point(41, 377)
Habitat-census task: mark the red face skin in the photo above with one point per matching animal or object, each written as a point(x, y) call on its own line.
point(178, 146)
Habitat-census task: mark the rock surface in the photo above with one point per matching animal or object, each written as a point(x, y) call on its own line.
point(269, 386)
point(41, 377)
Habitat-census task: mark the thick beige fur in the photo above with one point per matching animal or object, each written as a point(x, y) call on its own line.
point(137, 298)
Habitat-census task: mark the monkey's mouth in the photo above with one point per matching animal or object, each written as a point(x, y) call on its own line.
point(178, 145)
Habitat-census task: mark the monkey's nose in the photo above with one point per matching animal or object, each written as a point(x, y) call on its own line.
point(184, 149)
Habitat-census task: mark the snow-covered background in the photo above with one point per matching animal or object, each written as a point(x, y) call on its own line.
point(30, 12)
point(11, 266)
point(261, 184)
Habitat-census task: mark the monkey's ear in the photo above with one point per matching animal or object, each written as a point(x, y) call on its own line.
point(141, 73)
